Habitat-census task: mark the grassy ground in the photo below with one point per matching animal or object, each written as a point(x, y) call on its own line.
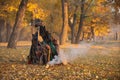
point(101, 62)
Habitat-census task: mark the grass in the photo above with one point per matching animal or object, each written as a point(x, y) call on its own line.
point(101, 62)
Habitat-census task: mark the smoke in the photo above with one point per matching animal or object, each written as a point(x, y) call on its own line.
point(69, 53)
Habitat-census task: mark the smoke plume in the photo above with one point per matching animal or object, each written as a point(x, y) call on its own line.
point(69, 53)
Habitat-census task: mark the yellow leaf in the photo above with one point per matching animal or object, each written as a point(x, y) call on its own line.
point(13, 66)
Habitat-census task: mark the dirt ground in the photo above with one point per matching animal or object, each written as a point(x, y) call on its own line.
point(98, 61)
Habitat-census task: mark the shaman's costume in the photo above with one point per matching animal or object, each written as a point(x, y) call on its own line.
point(42, 52)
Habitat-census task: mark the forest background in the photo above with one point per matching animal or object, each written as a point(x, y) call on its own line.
point(67, 20)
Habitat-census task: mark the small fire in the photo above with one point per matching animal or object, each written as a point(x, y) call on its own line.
point(65, 62)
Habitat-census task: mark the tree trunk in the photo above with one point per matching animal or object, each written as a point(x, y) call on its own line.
point(2, 30)
point(21, 35)
point(72, 35)
point(19, 18)
point(116, 36)
point(65, 22)
point(52, 21)
point(83, 35)
point(92, 33)
point(81, 22)
point(73, 25)
point(8, 31)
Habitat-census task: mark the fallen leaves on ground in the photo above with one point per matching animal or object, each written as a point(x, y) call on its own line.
point(95, 65)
